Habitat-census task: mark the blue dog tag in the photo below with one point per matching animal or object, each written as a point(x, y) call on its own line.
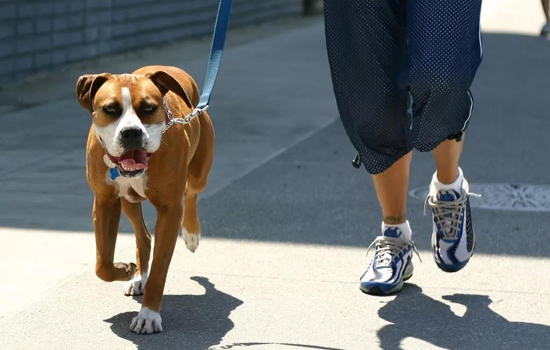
point(114, 173)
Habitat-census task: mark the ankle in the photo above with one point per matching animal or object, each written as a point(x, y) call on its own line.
point(448, 176)
point(455, 184)
point(395, 220)
point(404, 227)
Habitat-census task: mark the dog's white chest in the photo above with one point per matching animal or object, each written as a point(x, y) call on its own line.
point(132, 189)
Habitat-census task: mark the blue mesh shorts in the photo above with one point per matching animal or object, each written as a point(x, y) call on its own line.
point(402, 71)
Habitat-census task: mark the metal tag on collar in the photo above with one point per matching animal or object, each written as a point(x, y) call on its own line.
point(113, 172)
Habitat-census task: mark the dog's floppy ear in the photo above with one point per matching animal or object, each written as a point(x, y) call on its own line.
point(166, 82)
point(87, 86)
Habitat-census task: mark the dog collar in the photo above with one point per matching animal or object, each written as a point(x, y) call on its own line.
point(179, 120)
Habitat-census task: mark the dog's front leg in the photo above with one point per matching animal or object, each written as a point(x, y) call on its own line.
point(106, 216)
point(166, 234)
point(133, 211)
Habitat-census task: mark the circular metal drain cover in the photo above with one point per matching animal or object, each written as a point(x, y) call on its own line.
point(515, 197)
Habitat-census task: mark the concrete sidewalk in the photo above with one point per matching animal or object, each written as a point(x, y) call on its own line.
point(286, 220)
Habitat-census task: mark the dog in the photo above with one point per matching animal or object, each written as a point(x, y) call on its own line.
point(133, 154)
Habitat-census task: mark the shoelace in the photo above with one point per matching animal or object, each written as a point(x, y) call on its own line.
point(387, 248)
point(449, 213)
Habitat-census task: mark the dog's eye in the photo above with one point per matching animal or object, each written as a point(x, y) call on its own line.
point(148, 108)
point(111, 109)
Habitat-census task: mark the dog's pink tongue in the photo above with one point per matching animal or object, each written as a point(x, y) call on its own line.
point(133, 160)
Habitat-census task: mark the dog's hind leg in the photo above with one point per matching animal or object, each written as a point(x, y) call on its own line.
point(133, 211)
point(197, 180)
point(191, 226)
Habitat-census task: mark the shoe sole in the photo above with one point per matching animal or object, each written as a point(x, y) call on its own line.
point(456, 267)
point(377, 291)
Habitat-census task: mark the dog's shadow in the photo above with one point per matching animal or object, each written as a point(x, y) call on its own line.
point(189, 321)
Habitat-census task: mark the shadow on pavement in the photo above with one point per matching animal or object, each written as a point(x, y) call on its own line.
point(189, 321)
point(416, 315)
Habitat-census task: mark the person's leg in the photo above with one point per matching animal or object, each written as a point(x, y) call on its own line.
point(447, 156)
point(391, 188)
point(392, 262)
point(444, 54)
point(366, 46)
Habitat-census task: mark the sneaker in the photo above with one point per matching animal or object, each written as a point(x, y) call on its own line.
point(391, 265)
point(453, 239)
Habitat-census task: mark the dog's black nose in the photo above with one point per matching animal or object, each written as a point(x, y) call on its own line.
point(131, 134)
point(131, 137)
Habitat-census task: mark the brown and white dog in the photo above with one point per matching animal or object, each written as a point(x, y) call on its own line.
point(168, 169)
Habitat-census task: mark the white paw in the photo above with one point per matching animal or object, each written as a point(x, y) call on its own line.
point(146, 322)
point(191, 240)
point(136, 285)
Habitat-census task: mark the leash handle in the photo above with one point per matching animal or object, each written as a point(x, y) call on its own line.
point(216, 52)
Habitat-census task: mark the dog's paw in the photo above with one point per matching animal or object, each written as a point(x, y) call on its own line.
point(146, 322)
point(191, 240)
point(136, 285)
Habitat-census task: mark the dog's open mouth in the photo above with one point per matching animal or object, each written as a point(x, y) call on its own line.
point(131, 163)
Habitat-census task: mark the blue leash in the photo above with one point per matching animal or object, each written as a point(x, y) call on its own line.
point(216, 53)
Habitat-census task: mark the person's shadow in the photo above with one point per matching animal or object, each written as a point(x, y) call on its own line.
point(190, 321)
point(416, 315)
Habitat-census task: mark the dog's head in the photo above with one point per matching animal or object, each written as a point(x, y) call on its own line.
point(128, 115)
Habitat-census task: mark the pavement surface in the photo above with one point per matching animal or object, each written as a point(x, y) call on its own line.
point(287, 219)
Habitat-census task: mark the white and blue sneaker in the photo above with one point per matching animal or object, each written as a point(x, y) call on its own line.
point(453, 238)
point(391, 264)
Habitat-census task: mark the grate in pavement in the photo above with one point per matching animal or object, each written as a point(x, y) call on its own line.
point(513, 197)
